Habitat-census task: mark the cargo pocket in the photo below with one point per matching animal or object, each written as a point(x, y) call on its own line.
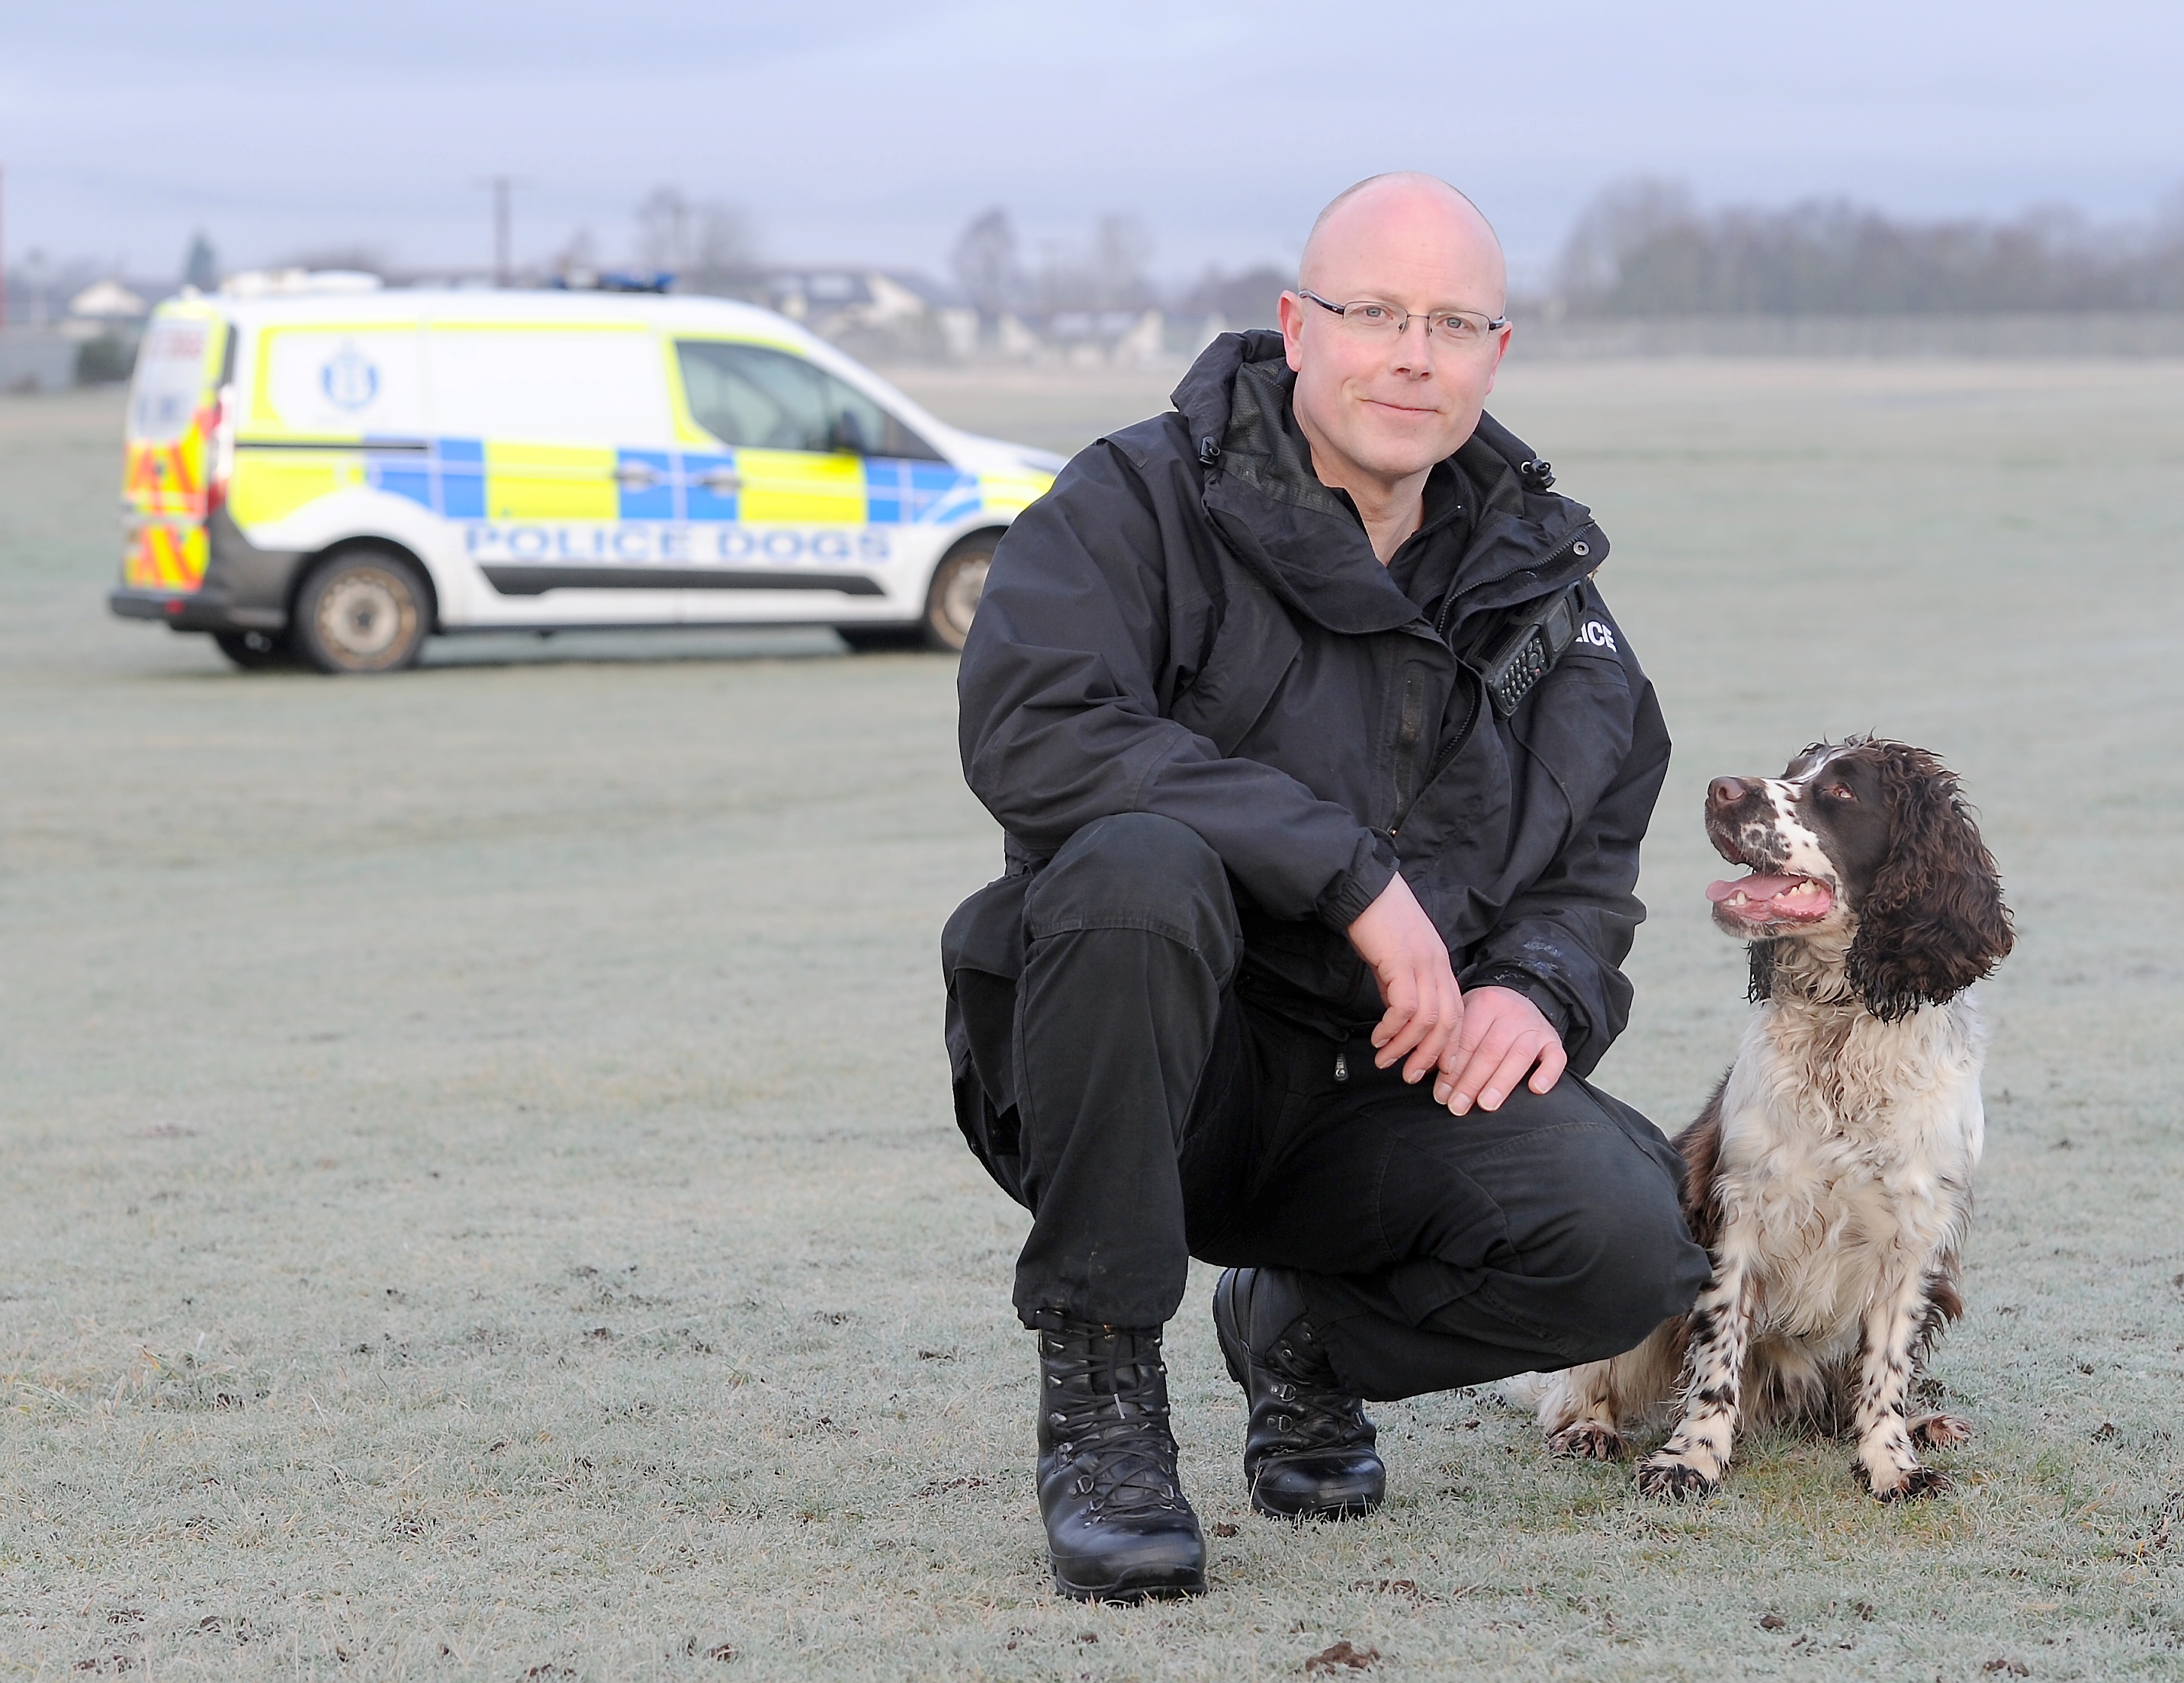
point(981, 958)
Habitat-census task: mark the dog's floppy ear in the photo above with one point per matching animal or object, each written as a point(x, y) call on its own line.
point(1933, 923)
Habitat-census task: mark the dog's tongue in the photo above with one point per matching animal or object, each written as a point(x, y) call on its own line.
point(1754, 887)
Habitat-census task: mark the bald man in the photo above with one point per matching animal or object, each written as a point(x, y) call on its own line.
point(1324, 768)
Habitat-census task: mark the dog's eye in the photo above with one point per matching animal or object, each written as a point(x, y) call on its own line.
point(1841, 792)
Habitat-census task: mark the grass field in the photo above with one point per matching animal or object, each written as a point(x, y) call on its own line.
point(477, 1195)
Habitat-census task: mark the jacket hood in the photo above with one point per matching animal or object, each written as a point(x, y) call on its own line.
point(1236, 404)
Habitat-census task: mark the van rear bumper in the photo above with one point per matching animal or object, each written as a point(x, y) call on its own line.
point(245, 589)
point(194, 609)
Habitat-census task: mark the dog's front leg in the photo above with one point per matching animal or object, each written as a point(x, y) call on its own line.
point(1886, 1462)
point(1697, 1454)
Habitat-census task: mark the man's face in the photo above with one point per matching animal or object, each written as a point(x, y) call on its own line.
point(1391, 407)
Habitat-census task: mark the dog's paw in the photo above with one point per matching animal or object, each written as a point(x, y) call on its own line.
point(1589, 1440)
point(1667, 1480)
point(1908, 1483)
point(1941, 1431)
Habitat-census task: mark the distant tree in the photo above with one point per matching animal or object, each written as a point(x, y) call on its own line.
point(705, 244)
point(985, 262)
point(1642, 247)
point(1244, 300)
point(1622, 219)
point(1120, 250)
point(579, 255)
point(724, 250)
point(663, 230)
point(362, 259)
point(1111, 276)
point(201, 264)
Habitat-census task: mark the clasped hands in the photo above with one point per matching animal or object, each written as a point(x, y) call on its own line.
point(1480, 1044)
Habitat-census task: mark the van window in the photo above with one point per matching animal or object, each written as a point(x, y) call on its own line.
point(749, 396)
point(548, 386)
point(169, 381)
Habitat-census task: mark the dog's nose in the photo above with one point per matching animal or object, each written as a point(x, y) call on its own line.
point(1726, 791)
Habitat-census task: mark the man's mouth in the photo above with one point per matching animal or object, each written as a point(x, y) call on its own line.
point(1761, 898)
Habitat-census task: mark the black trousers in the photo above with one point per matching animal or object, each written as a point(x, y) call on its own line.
point(1156, 1116)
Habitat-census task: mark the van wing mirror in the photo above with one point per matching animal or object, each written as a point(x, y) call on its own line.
point(848, 433)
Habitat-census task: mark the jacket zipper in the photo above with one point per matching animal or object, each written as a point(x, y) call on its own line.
point(1455, 747)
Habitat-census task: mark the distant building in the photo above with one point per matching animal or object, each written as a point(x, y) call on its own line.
point(107, 302)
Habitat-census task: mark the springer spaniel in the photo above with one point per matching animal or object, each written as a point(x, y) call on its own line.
point(1830, 1176)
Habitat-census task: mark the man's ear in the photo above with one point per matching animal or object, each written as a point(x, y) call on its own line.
point(1290, 312)
point(1501, 350)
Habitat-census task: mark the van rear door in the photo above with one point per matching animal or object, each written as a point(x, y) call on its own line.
point(169, 482)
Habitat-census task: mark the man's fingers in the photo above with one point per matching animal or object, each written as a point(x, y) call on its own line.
point(1484, 1059)
point(1502, 1081)
point(1552, 1062)
point(1424, 1017)
point(1401, 991)
point(1447, 1022)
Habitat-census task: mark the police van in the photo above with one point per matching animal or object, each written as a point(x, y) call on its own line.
point(331, 472)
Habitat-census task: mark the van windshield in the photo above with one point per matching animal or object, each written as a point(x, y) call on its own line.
point(169, 382)
point(759, 399)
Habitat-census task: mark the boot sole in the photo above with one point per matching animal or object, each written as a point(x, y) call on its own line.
point(1346, 1510)
point(1131, 1596)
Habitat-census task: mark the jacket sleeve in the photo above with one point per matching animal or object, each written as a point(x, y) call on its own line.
point(1060, 691)
point(1562, 941)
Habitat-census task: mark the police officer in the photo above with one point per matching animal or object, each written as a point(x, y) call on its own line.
point(1324, 769)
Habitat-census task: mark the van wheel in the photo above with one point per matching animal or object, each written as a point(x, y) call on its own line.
point(957, 584)
point(256, 651)
point(361, 610)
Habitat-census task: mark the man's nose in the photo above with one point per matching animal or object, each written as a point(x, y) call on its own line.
point(1723, 793)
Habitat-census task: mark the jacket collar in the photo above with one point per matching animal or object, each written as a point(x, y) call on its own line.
point(1306, 542)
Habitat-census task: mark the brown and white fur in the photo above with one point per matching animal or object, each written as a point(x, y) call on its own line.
point(1830, 1176)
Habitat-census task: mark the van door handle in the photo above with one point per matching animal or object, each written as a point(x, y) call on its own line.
point(635, 475)
point(722, 481)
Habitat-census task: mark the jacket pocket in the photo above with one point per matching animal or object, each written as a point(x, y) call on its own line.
point(1252, 653)
point(1577, 727)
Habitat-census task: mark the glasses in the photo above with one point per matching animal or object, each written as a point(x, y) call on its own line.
point(1370, 319)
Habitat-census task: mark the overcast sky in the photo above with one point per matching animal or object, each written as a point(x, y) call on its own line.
point(853, 129)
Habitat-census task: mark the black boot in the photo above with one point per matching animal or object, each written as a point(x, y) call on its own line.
point(1118, 1526)
point(1308, 1449)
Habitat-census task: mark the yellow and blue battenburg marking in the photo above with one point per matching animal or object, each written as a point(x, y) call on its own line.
point(462, 479)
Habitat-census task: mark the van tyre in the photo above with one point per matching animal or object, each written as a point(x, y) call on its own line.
point(877, 639)
point(957, 584)
point(256, 651)
point(362, 610)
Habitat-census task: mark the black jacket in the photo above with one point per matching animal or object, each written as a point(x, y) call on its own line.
point(1190, 623)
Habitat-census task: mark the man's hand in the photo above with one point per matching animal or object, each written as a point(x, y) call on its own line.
point(1504, 1034)
point(1410, 961)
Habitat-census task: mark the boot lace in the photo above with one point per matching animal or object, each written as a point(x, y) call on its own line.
point(1115, 1429)
point(1314, 1412)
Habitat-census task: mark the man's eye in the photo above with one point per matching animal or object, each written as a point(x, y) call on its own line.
point(1372, 312)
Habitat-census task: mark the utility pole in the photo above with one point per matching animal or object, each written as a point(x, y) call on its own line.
point(501, 185)
point(504, 261)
